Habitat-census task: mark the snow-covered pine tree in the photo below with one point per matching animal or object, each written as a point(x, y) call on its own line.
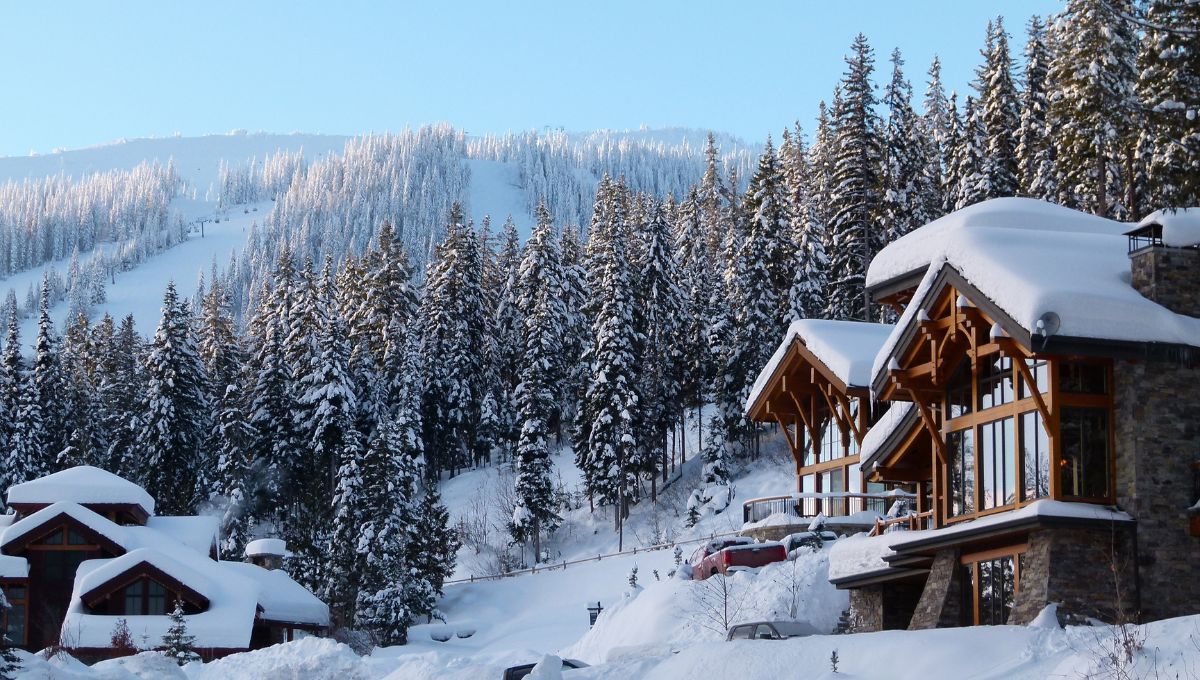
point(330, 446)
point(16, 468)
point(970, 163)
point(854, 231)
point(122, 393)
point(611, 396)
point(1093, 107)
point(506, 325)
point(935, 127)
point(659, 302)
point(905, 172)
point(541, 305)
point(86, 443)
point(1000, 113)
point(1169, 90)
point(43, 415)
point(951, 150)
point(454, 322)
point(177, 410)
point(575, 330)
point(9, 662)
point(1035, 156)
point(432, 545)
point(178, 644)
point(698, 281)
point(223, 358)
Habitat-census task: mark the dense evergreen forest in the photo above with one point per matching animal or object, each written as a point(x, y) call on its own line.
point(318, 389)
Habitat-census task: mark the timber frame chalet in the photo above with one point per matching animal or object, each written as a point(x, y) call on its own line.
point(83, 548)
point(816, 390)
point(1041, 405)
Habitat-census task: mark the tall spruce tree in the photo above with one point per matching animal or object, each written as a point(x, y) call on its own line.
point(1093, 109)
point(854, 231)
point(999, 112)
point(1169, 91)
point(1035, 152)
point(905, 174)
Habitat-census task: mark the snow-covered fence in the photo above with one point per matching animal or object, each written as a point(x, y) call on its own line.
point(567, 563)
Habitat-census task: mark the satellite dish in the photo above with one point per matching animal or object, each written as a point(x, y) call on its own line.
point(1047, 326)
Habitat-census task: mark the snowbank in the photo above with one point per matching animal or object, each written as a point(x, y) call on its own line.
point(664, 617)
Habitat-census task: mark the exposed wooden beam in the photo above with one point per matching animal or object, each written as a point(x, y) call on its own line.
point(939, 445)
point(1027, 376)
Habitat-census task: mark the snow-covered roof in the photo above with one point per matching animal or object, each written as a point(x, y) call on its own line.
point(189, 576)
point(266, 546)
point(861, 555)
point(13, 567)
point(83, 484)
point(281, 598)
point(1038, 510)
point(101, 525)
point(227, 623)
point(198, 533)
point(912, 253)
point(1079, 279)
point(892, 418)
point(1180, 226)
point(847, 348)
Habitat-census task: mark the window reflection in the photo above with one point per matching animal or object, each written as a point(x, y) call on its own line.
point(1035, 454)
point(1084, 467)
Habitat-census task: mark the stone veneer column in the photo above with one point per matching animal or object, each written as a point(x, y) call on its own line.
point(1074, 567)
point(1157, 442)
point(940, 605)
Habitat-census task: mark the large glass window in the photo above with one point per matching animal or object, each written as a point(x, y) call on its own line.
point(134, 598)
point(996, 588)
point(961, 447)
point(998, 460)
point(156, 598)
point(1040, 372)
point(958, 396)
point(805, 444)
point(834, 481)
point(1085, 464)
point(1035, 457)
point(995, 381)
point(1083, 378)
point(60, 565)
point(831, 442)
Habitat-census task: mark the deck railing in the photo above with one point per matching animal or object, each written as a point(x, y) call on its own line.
point(808, 505)
point(914, 522)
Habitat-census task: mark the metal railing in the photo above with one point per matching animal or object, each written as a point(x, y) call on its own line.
point(808, 505)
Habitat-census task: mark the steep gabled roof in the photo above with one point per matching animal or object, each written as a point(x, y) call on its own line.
point(85, 485)
point(27, 529)
point(114, 574)
point(844, 350)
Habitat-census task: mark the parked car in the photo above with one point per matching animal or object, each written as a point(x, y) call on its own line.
point(806, 539)
point(715, 546)
point(771, 630)
point(519, 672)
point(743, 555)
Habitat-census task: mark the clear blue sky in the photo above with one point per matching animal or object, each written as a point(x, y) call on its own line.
point(81, 73)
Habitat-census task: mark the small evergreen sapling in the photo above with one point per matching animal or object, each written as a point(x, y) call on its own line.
point(678, 555)
point(9, 663)
point(633, 583)
point(177, 643)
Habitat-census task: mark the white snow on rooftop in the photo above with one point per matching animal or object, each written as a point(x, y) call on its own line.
point(1045, 508)
point(883, 428)
point(109, 569)
point(1180, 226)
point(914, 251)
point(81, 484)
point(266, 546)
point(859, 555)
point(1082, 278)
point(101, 525)
point(196, 532)
point(847, 348)
point(281, 598)
point(12, 566)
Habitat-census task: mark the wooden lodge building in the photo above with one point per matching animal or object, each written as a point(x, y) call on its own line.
point(1037, 395)
point(82, 549)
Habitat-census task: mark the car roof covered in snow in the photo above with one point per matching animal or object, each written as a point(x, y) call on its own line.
point(82, 484)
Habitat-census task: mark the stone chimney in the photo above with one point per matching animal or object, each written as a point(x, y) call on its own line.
point(267, 553)
point(1165, 264)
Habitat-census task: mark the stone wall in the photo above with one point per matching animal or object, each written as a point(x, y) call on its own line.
point(1169, 276)
point(884, 606)
point(1157, 442)
point(940, 605)
point(1088, 572)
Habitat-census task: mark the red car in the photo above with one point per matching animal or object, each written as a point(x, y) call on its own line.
point(713, 547)
point(745, 555)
